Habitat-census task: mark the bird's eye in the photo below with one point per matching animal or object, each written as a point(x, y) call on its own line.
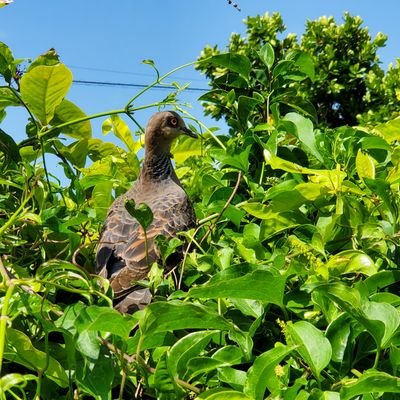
point(174, 122)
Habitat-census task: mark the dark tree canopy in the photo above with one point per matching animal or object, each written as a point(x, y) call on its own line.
point(349, 85)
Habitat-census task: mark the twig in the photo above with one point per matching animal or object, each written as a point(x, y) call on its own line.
point(212, 226)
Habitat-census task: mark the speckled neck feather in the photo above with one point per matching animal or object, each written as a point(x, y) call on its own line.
point(157, 166)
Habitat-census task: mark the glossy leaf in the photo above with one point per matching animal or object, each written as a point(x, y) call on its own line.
point(257, 285)
point(313, 346)
point(262, 370)
point(234, 62)
point(305, 133)
point(43, 89)
point(267, 55)
point(21, 350)
point(224, 395)
point(67, 111)
point(369, 382)
point(365, 165)
point(107, 320)
point(381, 320)
point(185, 349)
point(122, 132)
point(174, 315)
point(141, 212)
point(186, 147)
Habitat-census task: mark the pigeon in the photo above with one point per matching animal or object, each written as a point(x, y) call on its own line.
point(121, 253)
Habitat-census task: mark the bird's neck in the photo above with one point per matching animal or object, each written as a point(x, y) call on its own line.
point(157, 165)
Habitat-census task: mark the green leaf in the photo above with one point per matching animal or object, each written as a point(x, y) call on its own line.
point(257, 285)
point(234, 62)
point(20, 350)
point(185, 147)
point(304, 62)
point(106, 320)
point(305, 133)
point(371, 381)
point(234, 377)
point(245, 106)
point(229, 354)
point(121, 130)
point(390, 130)
point(102, 196)
point(349, 261)
point(9, 147)
point(67, 111)
point(313, 346)
point(381, 280)
point(273, 222)
point(381, 320)
point(202, 365)
point(185, 349)
point(10, 381)
point(96, 378)
point(267, 55)
point(239, 160)
point(7, 64)
point(339, 335)
point(142, 213)
point(365, 165)
point(382, 189)
point(49, 58)
point(224, 395)
point(43, 89)
point(163, 382)
point(262, 371)
point(175, 315)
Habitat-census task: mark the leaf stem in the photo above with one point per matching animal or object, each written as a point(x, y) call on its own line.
point(15, 216)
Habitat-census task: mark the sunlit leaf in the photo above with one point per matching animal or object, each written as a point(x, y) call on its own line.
point(257, 285)
point(234, 62)
point(185, 147)
point(185, 349)
point(262, 370)
point(163, 316)
point(305, 133)
point(267, 55)
point(67, 111)
point(121, 130)
point(369, 382)
point(21, 350)
point(365, 165)
point(43, 89)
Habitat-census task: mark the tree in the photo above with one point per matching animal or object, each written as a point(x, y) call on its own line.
point(349, 85)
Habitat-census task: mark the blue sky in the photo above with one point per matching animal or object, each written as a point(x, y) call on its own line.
point(94, 38)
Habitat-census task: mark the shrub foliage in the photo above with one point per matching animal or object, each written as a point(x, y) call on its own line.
point(288, 287)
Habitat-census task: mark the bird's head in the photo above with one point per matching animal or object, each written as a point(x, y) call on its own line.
point(163, 128)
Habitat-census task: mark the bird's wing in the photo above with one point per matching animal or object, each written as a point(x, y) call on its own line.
point(121, 254)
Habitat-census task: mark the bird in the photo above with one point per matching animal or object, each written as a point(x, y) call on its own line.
point(121, 252)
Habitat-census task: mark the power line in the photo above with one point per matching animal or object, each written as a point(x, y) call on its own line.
point(114, 71)
point(135, 85)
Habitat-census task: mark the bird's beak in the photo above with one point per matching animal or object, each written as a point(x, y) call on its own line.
point(188, 132)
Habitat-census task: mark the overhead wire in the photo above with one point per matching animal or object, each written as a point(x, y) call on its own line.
point(135, 85)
